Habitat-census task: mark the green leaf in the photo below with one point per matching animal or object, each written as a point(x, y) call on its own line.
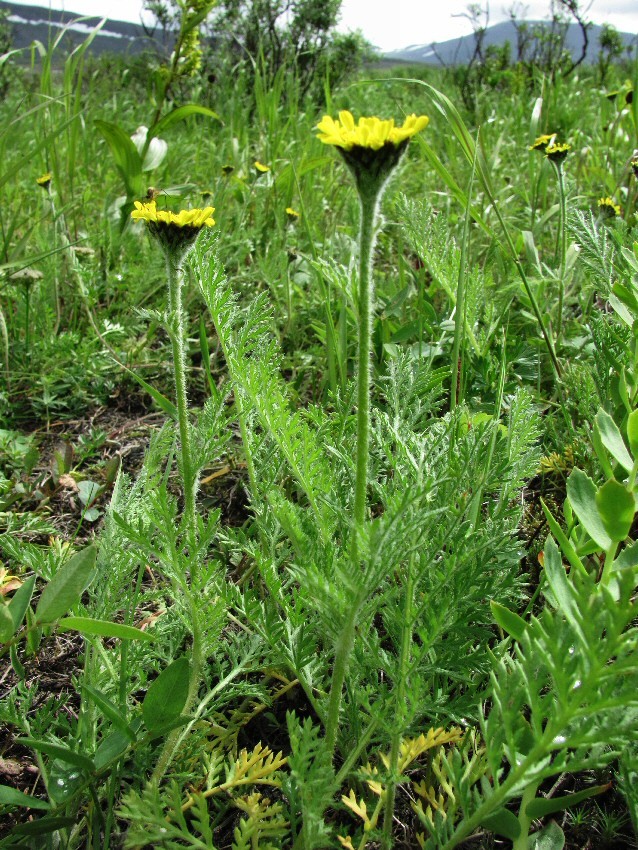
point(59, 752)
point(110, 710)
point(632, 432)
point(628, 558)
point(563, 541)
point(126, 157)
point(66, 586)
point(549, 838)
point(542, 806)
point(88, 491)
point(64, 781)
point(43, 826)
point(7, 627)
point(20, 602)
point(110, 748)
point(616, 507)
point(179, 114)
point(163, 730)
point(504, 823)
point(34, 633)
point(160, 400)
point(612, 440)
point(557, 580)
point(508, 620)
point(102, 628)
point(166, 697)
point(581, 492)
point(12, 797)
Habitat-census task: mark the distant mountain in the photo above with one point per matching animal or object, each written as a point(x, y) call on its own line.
point(31, 23)
point(459, 51)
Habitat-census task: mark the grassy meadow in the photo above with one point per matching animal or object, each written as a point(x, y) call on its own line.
point(255, 594)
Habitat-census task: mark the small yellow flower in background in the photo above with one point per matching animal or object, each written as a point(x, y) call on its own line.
point(634, 163)
point(292, 214)
point(373, 132)
point(542, 142)
point(176, 232)
point(228, 169)
point(556, 152)
point(45, 180)
point(608, 208)
point(261, 168)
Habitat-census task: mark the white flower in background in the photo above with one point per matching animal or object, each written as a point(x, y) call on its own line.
point(156, 150)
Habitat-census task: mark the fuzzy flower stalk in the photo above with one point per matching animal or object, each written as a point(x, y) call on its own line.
point(556, 152)
point(371, 148)
point(176, 234)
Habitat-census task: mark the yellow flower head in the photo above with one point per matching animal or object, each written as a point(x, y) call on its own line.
point(371, 148)
point(556, 152)
point(227, 169)
point(185, 218)
point(261, 168)
point(45, 180)
point(292, 214)
point(608, 208)
point(372, 133)
point(543, 142)
point(176, 232)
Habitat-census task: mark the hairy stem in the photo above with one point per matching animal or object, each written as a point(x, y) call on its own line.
point(563, 251)
point(189, 482)
point(176, 330)
point(369, 208)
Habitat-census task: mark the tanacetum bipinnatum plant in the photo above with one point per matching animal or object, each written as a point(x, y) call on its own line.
point(373, 583)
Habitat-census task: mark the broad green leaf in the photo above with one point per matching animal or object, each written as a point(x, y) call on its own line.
point(7, 627)
point(557, 580)
point(549, 838)
point(88, 491)
point(110, 710)
point(57, 751)
point(43, 826)
point(632, 432)
point(102, 628)
point(127, 159)
point(110, 748)
point(616, 507)
point(20, 602)
point(508, 620)
point(179, 114)
point(162, 731)
point(540, 807)
point(612, 440)
point(166, 697)
point(12, 797)
point(66, 586)
point(628, 558)
point(563, 541)
point(581, 492)
point(504, 823)
point(64, 781)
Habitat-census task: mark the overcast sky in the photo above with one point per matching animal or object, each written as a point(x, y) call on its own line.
point(393, 24)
